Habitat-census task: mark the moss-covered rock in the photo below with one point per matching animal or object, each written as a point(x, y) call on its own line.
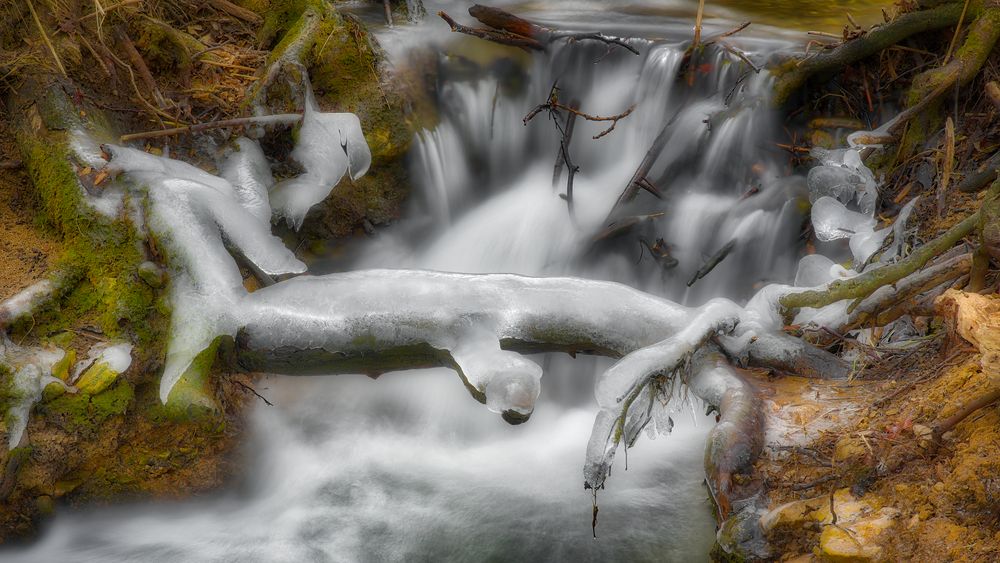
point(348, 73)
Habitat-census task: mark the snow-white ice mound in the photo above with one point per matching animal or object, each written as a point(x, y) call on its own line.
point(31, 371)
point(330, 145)
point(193, 214)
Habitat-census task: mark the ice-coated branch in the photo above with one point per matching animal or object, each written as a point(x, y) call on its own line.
point(865, 284)
point(622, 391)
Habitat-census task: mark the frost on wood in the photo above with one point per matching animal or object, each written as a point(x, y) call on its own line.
point(622, 391)
point(330, 145)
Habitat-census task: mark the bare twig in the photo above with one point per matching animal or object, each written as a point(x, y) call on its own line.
point(714, 261)
point(278, 119)
point(254, 391)
point(553, 104)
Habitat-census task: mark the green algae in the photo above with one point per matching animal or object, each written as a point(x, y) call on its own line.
point(82, 412)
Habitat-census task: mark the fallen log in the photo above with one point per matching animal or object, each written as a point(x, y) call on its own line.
point(507, 29)
point(794, 73)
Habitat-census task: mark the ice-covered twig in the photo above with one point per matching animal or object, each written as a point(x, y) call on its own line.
point(865, 284)
point(619, 388)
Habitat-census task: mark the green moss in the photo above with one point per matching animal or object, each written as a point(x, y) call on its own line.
point(103, 252)
point(10, 396)
point(191, 397)
point(81, 412)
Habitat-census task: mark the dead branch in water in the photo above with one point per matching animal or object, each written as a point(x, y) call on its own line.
point(714, 261)
point(507, 29)
point(553, 106)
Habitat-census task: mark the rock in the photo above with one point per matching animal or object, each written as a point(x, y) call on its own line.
point(855, 542)
point(848, 448)
point(152, 274)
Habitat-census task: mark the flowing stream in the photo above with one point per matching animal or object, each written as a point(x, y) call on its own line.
point(409, 467)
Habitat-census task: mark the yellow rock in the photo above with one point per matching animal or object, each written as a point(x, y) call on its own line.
point(96, 378)
point(849, 447)
point(856, 542)
point(60, 369)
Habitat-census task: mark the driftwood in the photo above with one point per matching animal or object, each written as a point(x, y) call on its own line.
point(507, 29)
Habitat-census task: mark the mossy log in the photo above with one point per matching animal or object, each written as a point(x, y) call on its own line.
point(865, 284)
point(102, 253)
point(793, 74)
point(968, 59)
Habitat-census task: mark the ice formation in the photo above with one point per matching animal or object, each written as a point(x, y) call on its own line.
point(191, 211)
point(844, 193)
point(479, 321)
point(329, 146)
point(248, 171)
point(31, 371)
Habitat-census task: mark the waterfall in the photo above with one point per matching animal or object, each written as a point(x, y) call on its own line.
point(409, 467)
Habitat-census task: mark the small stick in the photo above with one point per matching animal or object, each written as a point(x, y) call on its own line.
point(553, 104)
point(140, 65)
point(697, 24)
point(714, 261)
point(952, 421)
point(254, 391)
point(564, 143)
point(279, 119)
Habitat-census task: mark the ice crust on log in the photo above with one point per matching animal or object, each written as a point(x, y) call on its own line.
point(248, 171)
point(191, 212)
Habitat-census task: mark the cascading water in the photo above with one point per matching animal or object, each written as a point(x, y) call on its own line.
point(409, 468)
